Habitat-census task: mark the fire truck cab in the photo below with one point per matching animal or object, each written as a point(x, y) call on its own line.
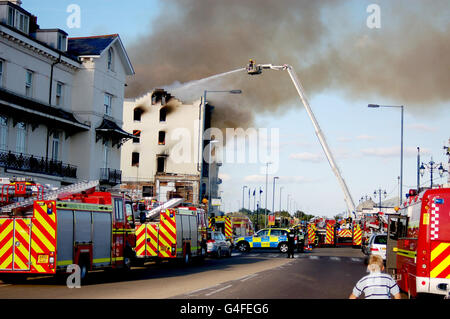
point(418, 246)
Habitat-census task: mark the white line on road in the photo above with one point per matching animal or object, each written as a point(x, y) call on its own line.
point(249, 277)
point(314, 257)
point(218, 290)
point(357, 259)
point(335, 258)
point(5, 285)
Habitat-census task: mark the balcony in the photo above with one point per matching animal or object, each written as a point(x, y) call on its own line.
point(39, 165)
point(110, 176)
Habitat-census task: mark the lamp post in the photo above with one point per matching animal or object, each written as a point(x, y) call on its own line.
point(200, 135)
point(209, 176)
point(379, 191)
point(265, 205)
point(243, 188)
point(432, 165)
point(273, 195)
point(401, 145)
point(281, 188)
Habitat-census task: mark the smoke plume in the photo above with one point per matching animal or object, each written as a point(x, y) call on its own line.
point(328, 43)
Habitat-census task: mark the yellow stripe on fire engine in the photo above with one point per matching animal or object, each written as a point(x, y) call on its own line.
point(436, 252)
point(140, 237)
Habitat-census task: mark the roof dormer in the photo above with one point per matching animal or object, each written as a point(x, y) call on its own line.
point(13, 15)
point(55, 38)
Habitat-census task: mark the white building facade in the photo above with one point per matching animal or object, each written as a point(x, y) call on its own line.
point(61, 102)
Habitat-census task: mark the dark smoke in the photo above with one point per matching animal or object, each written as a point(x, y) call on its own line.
point(326, 41)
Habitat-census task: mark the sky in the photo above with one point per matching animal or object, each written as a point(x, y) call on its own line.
point(364, 141)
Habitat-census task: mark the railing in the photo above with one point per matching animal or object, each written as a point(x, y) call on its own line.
point(40, 165)
point(110, 176)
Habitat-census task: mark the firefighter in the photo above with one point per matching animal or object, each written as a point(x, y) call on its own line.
point(291, 243)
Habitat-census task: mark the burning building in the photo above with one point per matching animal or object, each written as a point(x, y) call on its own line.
point(164, 159)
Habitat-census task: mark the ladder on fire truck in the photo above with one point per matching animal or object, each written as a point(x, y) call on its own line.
point(53, 195)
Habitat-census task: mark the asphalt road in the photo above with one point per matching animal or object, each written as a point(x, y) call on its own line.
point(324, 273)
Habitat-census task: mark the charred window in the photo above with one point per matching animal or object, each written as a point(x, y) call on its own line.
point(135, 159)
point(162, 138)
point(136, 136)
point(163, 114)
point(160, 162)
point(137, 114)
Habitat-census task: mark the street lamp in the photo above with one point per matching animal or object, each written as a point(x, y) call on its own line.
point(401, 145)
point(243, 204)
point(273, 195)
point(281, 188)
point(432, 165)
point(265, 206)
point(379, 196)
point(199, 135)
point(209, 175)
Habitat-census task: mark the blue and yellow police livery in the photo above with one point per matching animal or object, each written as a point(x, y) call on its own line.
point(265, 238)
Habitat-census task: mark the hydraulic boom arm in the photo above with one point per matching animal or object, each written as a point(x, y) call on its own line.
point(257, 69)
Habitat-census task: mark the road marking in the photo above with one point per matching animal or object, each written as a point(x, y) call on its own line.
point(198, 290)
point(5, 285)
point(253, 255)
point(248, 277)
point(218, 290)
point(356, 259)
point(274, 255)
point(314, 257)
point(335, 258)
point(236, 254)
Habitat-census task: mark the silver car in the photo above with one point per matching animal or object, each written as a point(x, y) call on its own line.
point(218, 245)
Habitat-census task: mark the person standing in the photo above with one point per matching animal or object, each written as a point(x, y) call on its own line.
point(291, 243)
point(376, 285)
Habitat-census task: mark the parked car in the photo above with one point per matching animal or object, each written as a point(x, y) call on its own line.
point(217, 245)
point(265, 238)
point(377, 245)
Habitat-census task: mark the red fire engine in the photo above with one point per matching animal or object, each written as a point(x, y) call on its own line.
point(418, 248)
point(44, 233)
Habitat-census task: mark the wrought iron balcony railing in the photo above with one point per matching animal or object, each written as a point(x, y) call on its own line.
point(36, 164)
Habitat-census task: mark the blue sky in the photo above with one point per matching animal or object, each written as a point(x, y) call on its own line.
point(364, 141)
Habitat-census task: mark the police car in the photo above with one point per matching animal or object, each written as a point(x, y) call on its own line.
point(265, 238)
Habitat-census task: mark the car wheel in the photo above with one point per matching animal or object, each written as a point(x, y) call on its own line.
point(242, 247)
point(283, 248)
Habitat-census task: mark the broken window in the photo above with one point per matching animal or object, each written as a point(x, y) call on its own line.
point(160, 164)
point(135, 159)
point(137, 113)
point(162, 114)
point(136, 136)
point(162, 138)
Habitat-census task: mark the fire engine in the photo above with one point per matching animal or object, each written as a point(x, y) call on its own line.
point(323, 232)
point(44, 233)
point(221, 224)
point(418, 246)
point(242, 226)
point(171, 234)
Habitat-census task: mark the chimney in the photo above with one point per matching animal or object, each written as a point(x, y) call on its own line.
point(16, 2)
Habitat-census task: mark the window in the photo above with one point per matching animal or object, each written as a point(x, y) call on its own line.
point(29, 84)
point(106, 151)
point(110, 59)
point(11, 16)
point(3, 133)
point(147, 191)
point(278, 232)
point(137, 136)
point(162, 114)
point(61, 45)
point(137, 114)
point(263, 232)
point(135, 159)
point(118, 209)
point(108, 103)
point(162, 138)
point(380, 240)
point(59, 94)
point(55, 146)
point(21, 137)
point(1, 72)
point(160, 164)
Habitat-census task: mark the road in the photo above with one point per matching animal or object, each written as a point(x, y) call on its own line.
point(322, 274)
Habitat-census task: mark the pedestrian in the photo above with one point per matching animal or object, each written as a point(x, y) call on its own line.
point(376, 285)
point(291, 244)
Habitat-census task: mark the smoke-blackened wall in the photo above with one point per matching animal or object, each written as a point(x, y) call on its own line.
point(328, 42)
